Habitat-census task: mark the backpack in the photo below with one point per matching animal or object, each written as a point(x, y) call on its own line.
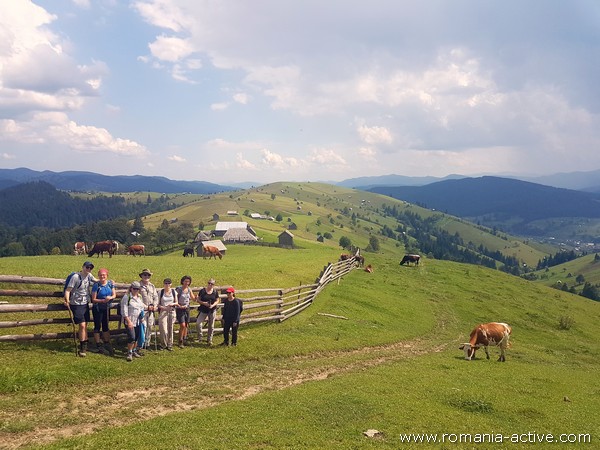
point(68, 279)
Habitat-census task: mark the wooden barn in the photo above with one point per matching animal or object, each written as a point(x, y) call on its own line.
point(239, 235)
point(286, 239)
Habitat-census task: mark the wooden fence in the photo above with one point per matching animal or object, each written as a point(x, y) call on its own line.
point(260, 305)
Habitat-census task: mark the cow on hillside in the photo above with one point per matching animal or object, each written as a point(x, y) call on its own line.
point(80, 248)
point(493, 333)
point(137, 249)
point(410, 259)
point(188, 252)
point(211, 252)
point(103, 246)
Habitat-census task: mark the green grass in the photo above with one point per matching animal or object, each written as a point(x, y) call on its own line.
point(319, 382)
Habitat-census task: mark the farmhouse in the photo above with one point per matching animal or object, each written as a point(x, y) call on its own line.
point(232, 213)
point(202, 236)
point(222, 227)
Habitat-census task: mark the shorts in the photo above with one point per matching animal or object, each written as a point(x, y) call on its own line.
point(183, 315)
point(133, 334)
point(81, 313)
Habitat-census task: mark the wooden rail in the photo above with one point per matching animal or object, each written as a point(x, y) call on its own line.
point(260, 305)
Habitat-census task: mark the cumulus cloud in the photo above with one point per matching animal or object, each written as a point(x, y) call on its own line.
point(177, 159)
point(57, 128)
point(7, 156)
point(243, 164)
point(374, 135)
point(279, 162)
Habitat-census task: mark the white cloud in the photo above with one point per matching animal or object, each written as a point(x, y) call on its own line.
point(219, 106)
point(170, 48)
point(374, 135)
point(57, 128)
point(177, 159)
point(241, 98)
point(243, 164)
point(7, 156)
point(279, 162)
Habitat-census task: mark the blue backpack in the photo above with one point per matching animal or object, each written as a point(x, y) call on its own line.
point(68, 279)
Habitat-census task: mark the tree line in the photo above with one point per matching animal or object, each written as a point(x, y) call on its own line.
point(37, 219)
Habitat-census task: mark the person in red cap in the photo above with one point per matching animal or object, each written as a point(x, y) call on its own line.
point(232, 309)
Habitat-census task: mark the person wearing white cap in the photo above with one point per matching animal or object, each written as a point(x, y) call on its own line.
point(132, 311)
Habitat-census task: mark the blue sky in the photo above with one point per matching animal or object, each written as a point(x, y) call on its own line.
point(276, 90)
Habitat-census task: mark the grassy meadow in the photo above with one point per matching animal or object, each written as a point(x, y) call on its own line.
point(315, 381)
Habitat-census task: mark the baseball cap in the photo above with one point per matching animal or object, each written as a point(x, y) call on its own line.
point(230, 289)
point(136, 285)
point(88, 264)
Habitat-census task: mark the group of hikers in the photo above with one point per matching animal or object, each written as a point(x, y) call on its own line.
point(137, 308)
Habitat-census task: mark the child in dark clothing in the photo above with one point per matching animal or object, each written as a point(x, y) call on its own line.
point(232, 309)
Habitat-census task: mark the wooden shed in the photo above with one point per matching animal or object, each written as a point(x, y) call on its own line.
point(286, 239)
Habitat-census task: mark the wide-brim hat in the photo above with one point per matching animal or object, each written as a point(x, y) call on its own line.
point(145, 272)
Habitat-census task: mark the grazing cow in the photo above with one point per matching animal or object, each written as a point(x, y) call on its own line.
point(103, 246)
point(345, 257)
point(493, 333)
point(137, 249)
point(360, 260)
point(369, 268)
point(410, 259)
point(188, 252)
point(80, 248)
point(211, 251)
point(116, 247)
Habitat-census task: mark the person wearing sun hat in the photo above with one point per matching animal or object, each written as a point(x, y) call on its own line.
point(132, 311)
point(77, 297)
point(232, 308)
point(149, 295)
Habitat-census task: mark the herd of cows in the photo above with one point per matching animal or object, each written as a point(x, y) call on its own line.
point(110, 247)
point(483, 335)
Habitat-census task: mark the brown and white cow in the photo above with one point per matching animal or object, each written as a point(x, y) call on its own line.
point(493, 333)
point(80, 248)
point(211, 251)
point(103, 246)
point(137, 249)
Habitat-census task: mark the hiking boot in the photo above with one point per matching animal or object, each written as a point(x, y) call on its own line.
point(234, 344)
point(109, 350)
point(224, 344)
point(129, 357)
point(209, 343)
point(95, 349)
point(180, 344)
point(170, 349)
point(136, 355)
point(139, 352)
point(82, 353)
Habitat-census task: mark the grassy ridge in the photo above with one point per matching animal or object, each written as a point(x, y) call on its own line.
point(319, 382)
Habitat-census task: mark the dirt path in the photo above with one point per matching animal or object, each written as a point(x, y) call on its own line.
point(237, 382)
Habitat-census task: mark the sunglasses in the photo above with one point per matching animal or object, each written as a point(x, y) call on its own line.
point(135, 289)
point(89, 267)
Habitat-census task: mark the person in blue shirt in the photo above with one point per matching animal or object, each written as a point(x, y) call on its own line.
point(103, 292)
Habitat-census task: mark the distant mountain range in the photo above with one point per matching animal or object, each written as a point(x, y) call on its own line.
point(513, 204)
point(89, 181)
point(580, 181)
